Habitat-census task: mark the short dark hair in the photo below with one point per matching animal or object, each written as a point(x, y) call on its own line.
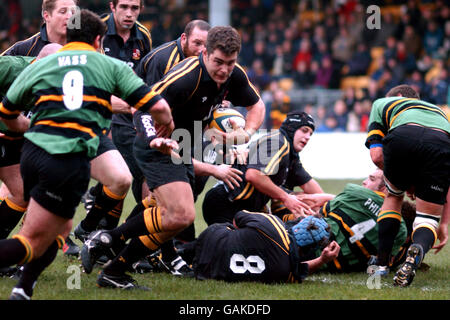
point(90, 26)
point(404, 90)
point(224, 38)
point(115, 2)
point(200, 24)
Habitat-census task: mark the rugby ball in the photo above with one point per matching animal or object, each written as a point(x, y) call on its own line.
point(221, 117)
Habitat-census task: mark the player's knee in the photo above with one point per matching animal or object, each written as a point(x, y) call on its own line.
point(183, 217)
point(121, 182)
point(424, 220)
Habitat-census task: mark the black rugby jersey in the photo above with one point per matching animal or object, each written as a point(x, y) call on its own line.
point(272, 155)
point(257, 248)
point(31, 46)
point(131, 52)
point(193, 95)
point(159, 61)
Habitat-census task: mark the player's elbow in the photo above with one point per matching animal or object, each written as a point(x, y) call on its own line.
point(252, 175)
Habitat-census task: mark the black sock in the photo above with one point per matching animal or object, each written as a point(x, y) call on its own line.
point(32, 270)
point(102, 205)
point(12, 252)
point(425, 237)
point(9, 218)
point(134, 251)
point(132, 228)
point(187, 235)
point(138, 208)
point(168, 251)
point(387, 231)
point(113, 216)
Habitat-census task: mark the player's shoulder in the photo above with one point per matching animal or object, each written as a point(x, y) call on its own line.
point(144, 31)
point(23, 47)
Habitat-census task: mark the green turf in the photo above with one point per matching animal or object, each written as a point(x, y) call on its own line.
point(57, 283)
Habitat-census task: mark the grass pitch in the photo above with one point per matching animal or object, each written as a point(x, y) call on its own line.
point(64, 279)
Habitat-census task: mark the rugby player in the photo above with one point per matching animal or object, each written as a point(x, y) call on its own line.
point(273, 162)
point(63, 137)
point(193, 89)
point(352, 216)
point(410, 140)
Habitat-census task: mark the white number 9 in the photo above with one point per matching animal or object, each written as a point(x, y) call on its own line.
point(72, 87)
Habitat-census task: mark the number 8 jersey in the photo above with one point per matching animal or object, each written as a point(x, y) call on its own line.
point(69, 93)
point(256, 248)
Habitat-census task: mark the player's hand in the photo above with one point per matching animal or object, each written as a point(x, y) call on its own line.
point(238, 156)
point(166, 146)
point(229, 175)
point(442, 233)
point(164, 131)
point(330, 252)
point(237, 136)
point(297, 207)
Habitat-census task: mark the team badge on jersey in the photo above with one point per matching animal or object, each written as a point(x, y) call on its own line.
point(136, 54)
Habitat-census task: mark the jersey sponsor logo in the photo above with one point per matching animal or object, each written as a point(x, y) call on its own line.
point(136, 54)
point(147, 122)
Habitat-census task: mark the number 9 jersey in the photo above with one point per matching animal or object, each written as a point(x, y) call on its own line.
point(257, 248)
point(69, 94)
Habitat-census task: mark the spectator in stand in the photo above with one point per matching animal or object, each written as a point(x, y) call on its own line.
point(416, 81)
point(405, 58)
point(349, 97)
point(340, 113)
point(397, 69)
point(281, 106)
point(328, 125)
point(261, 53)
point(424, 64)
point(258, 75)
point(320, 116)
point(372, 92)
point(412, 41)
point(247, 51)
point(390, 48)
point(342, 47)
point(357, 118)
point(439, 87)
point(302, 76)
point(387, 30)
point(359, 62)
point(304, 54)
point(324, 73)
point(433, 38)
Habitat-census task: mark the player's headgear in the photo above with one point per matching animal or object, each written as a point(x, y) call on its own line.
point(294, 121)
point(311, 231)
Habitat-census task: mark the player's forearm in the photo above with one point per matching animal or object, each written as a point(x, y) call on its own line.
point(161, 113)
point(119, 106)
point(20, 124)
point(203, 169)
point(255, 117)
point(265, 185)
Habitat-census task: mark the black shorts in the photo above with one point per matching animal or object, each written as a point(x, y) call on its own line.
point(105, 145)
point(56, 182)
point(159, 169)
point(217, 208)
point(419, 158)
point(123, 138)
point(10, 151)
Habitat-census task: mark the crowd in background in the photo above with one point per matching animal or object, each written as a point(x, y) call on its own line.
point(309, 45)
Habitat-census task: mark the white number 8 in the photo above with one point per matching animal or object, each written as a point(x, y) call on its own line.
point(252, 264)
point(72, 87)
